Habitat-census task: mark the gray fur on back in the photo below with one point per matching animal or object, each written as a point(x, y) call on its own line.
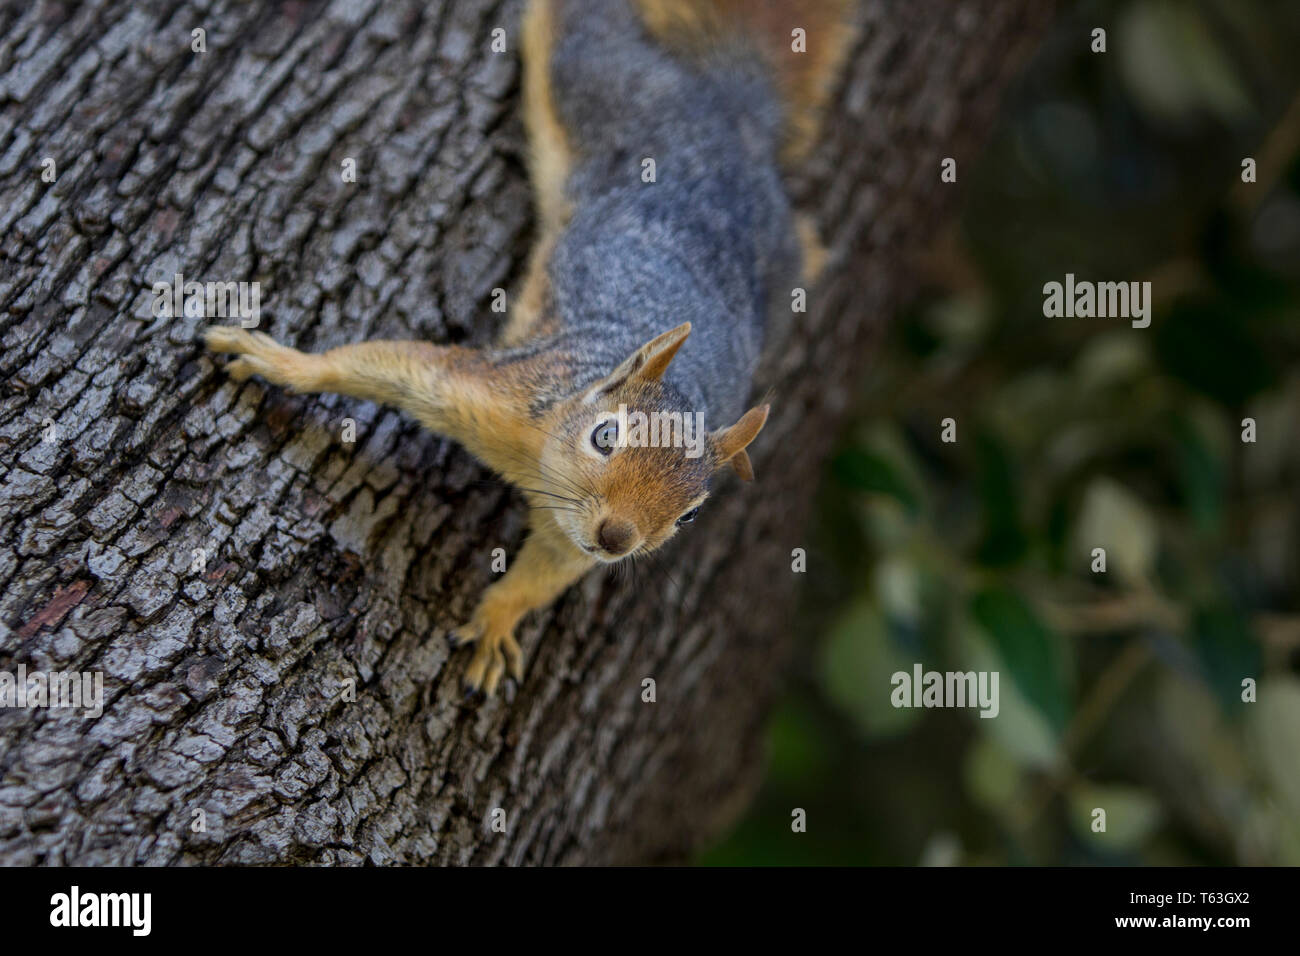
point(711, 242)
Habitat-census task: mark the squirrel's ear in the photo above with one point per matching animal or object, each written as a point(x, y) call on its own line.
point(655, 355)
point(648, 363)
point(730, 443)
point(742, 465)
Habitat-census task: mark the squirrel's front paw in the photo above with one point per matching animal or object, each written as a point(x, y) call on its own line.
point(261, 355)
point(496, 652)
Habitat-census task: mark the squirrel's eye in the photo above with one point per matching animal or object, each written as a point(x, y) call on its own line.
point(689, 516)
point(605, 437)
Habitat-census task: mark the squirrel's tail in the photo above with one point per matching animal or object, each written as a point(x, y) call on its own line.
point(805, 43)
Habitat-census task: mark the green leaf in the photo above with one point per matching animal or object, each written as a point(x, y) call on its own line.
point(857, 662)
point(1111, 517)
point(1176, 67)
point(1132, 815)
point(1019, 730)
point(865, 470)
point(992, 775)
point(1275, 733)
point(1004, 541)
point(1201, 474)
point(1028, 648)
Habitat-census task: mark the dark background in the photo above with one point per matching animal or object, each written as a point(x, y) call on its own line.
point(1120, 690)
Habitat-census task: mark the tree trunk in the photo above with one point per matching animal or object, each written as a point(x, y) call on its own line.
point(230, 563)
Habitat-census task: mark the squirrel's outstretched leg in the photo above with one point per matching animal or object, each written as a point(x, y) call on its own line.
point(546, 565)
point(453, 391)
point(459, 393)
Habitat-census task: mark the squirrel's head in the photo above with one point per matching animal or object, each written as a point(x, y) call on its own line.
point(628, 463)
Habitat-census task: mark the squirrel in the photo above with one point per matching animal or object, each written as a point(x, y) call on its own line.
point(722, 96)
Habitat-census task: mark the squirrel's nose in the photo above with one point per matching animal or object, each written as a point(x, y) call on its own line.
point(616, 535)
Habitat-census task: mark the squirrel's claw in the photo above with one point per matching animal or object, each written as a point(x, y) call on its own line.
point(496, 653)
point(490, 660)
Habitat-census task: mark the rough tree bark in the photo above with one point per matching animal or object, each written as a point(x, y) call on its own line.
point(327, 561)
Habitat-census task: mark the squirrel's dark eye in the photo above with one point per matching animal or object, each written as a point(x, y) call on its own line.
point(688, 517)
point(605, 436)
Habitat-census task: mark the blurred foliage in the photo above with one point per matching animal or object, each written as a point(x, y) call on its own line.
point(1120, 690)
